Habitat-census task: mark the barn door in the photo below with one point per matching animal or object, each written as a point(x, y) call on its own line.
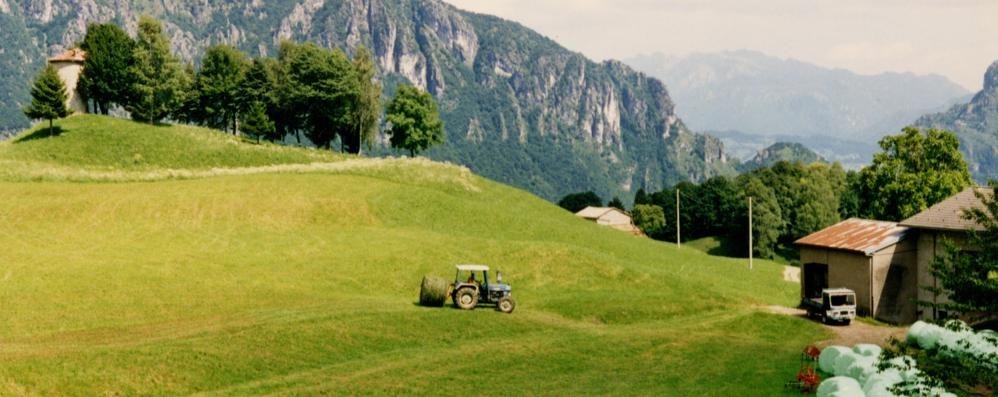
point(815, 279)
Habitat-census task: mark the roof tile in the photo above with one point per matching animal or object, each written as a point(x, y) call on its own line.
point(948, 214)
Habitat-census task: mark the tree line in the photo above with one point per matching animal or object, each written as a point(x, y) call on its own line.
point(307, 90)
point(915, 169)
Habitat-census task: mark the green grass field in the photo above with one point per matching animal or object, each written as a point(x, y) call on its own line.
point(304, 281)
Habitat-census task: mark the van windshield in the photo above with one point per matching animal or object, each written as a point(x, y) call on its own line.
point(840, 300)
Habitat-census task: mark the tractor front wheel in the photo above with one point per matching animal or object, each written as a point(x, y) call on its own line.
point(506, 304)
point(466, 298)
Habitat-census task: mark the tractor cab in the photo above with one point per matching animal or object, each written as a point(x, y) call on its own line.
point(472, 287)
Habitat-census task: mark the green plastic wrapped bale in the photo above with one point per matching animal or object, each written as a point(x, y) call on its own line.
point(839, 386)
point(826, 361)
point(433, 291)
point(842, 363)
point(915, 331)
point(862, 368)
point(867, 350)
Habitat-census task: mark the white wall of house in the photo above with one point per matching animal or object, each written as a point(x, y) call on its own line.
point(69, 72)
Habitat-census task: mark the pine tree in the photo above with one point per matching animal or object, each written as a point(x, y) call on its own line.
point(255, 123)
point(159, 77)
point(48, 97)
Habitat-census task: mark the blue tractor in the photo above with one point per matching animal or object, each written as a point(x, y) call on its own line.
point(469, 291)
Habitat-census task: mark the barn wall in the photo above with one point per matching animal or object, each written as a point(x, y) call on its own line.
point(894, 294)
point(614, 218)
point(846, 270)
point(930, 245)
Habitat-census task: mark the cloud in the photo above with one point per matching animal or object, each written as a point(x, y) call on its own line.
point(869, 52)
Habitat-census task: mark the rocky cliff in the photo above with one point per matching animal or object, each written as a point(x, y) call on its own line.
point(517, 106)
point(976, 124)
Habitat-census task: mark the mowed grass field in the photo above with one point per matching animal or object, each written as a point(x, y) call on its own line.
point(304, 281)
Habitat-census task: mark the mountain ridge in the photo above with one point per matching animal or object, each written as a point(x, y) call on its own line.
point(517, 106)
point(755, 93)
point(976, 126)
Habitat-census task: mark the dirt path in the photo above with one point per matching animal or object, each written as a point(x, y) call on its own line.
point(848, 335)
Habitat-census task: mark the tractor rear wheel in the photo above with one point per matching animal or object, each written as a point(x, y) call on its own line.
point(466, 298)
point(506, 304)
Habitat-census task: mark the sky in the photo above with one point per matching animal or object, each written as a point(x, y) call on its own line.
point(954, 38)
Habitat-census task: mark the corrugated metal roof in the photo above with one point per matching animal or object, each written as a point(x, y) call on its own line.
point(858, 235)
point(70, 55)
point(948, 214)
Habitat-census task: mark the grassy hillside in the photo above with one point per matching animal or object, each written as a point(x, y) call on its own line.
point(122, 150)
point(306, 283)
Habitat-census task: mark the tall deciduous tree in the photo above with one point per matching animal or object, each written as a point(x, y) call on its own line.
point(106, 76)
point(414, 122)
point(48, 97)
point(641, 197)
point(575, 202)
point(767, 219)
point(320, 87)
point(969, 277)
point(368, 108)
point(915, 170)
point(616, 203)
point(218, 85)
point(159, 78)
point(649, 218)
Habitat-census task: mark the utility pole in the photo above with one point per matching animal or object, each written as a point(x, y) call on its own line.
point(750, 232)
point(677, 218)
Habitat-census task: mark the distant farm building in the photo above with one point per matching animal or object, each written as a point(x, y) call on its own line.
point(886, 263)
point(610, 216)
point(69, 65)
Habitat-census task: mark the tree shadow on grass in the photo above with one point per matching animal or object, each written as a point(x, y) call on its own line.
point(41, 133)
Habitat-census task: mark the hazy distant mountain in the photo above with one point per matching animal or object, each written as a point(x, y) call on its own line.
point(976, 124)
point(762, 95)
point(780, 151)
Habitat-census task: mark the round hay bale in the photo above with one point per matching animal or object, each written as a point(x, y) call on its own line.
point(839, 386)
point(949, 340)
point(862, 368)
point(915, 332)
point(929, 336)
point(843, 361)
point(826, 361)
point(433, 291)
point(867, 350)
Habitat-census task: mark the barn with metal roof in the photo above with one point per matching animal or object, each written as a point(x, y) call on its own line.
point(888, 263)
point(876, 259)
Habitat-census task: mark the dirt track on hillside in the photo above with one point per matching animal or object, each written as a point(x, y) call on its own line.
point(847, 335)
